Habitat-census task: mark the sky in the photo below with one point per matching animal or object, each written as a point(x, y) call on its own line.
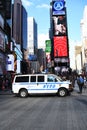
point(39, 9)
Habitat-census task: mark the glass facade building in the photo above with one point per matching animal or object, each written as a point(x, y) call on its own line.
point(32, 35)
point(24, 28)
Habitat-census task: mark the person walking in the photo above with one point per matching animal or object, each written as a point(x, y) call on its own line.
point(80, 82)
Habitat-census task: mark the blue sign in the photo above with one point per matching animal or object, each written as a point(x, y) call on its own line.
point(58, 7)
point(9, 62)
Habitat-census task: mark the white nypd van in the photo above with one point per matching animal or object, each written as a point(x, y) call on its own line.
point(40, 84)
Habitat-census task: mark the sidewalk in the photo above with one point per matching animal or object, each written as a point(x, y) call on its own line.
point(76, 90)
point(6, 92)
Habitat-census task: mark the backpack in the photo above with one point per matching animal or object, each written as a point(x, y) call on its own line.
point(80, 80)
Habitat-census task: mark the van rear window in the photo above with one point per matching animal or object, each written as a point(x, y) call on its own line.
point(22, 79)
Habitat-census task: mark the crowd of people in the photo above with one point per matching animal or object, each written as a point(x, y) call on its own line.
point(6, 81)
point(80, 79)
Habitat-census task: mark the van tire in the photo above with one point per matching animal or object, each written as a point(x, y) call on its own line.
point(23, 93)
point(62, 92)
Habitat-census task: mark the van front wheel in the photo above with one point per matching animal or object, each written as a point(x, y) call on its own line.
point(23, 93)
point(62, 92)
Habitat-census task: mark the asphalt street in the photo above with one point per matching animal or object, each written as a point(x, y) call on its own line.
point(44, 112)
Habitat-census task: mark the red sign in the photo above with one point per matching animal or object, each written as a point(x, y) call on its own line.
point(60, 46)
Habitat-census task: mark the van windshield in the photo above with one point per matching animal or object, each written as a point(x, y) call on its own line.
point(59, 78)
point(53, 78)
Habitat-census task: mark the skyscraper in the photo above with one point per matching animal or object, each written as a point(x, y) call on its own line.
point(32, 35)
point(24, 28)
point(19, 31)
point(17, 24)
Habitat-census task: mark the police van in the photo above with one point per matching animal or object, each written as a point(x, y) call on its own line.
point(24, 85)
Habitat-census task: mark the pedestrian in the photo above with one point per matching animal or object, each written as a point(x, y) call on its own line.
point(80, 82)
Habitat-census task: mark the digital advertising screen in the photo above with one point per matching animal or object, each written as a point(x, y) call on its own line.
point(48, 57)
point(48, 46)
point(58, 7)
point(60, 46)
point(61, 60)
point(59, 25)
point(10, 63)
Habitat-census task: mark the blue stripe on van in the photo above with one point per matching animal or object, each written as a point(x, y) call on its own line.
point(44, 89)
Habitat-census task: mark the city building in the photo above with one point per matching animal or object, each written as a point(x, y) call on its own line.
point(32, 36)
point(78, 58)
point(32, 48)
point(17, 21)
point(84, 39)
point(19, 34)
point(5, 34)
point(59, 36)
point(24, 32)
point(42, 58)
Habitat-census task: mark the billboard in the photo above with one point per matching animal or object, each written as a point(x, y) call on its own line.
point(58, 7)
point(61, 60)
point(10, 63)
point(60, 46)
point(48, 46)
point(59, 25)
point(48, 57)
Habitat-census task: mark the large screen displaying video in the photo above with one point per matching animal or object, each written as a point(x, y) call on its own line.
point(59, 25)
point(60, 46)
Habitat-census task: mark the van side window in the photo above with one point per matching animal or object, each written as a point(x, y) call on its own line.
point(22, 79)
point(40, 79)
point(33, 79)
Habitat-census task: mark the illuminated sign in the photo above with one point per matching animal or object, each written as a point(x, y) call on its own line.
point(59, 25)
point(61, 60)
point(48, 46)
point(58, 7)
point(10, 63)
point(48, 57)
point(60, 46)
